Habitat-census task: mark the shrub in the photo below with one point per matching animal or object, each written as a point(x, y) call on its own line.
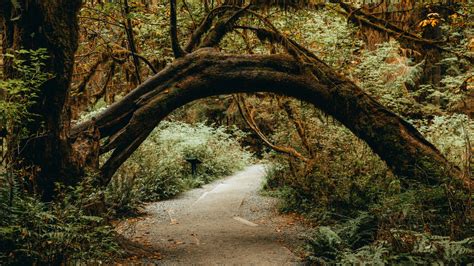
point(345, 176)
point(21, 93)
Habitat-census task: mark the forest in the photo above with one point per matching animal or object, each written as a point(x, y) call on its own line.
point(346, 126)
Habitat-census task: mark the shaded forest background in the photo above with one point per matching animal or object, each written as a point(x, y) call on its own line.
point(64, 64)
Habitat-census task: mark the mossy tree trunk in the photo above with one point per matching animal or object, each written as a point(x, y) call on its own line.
point(127, 123)
point(50, 24)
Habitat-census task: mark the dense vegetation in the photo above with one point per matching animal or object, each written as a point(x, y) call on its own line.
point(56, 201)
point(365, 212)
point(158, 170)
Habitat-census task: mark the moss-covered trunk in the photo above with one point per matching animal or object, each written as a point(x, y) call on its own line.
point(206, 72)
point(50, 24)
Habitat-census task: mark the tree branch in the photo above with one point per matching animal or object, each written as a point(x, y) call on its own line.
point(185, 4)
point(177, 50)
point(82, 86)
point(205, 25)
point(205, 73)
point(249, 119)
point(222, 27)
point(358, 15)
point(292, 113)
point(131, 41)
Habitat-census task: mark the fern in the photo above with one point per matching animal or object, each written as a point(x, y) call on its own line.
point(324, 244)
point(33, 232)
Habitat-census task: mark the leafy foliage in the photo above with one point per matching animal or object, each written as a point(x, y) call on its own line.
point(31, 231)
point(404, 247)
point(451, 134)
point(336, 244)
point(20, 94)
point(344, 176)
point(386, 75)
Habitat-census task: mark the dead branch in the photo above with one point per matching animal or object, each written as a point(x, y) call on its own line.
point(116, 53)
point(204, 27)
point(249, 118)
point(222, 27)
point(359, 16)
point(291, 112)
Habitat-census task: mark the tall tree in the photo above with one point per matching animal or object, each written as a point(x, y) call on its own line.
point(50, 24)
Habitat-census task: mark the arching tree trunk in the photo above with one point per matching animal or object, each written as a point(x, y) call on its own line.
point(206, 72)
point(50, 24)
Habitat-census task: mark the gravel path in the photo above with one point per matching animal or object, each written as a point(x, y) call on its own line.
point(225, 222)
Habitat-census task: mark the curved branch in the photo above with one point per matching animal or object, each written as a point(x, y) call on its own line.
point(222, 28)
point(146, 61)
point(205, 25)
point(291, 112)
point(205, 73)
point(115, 53)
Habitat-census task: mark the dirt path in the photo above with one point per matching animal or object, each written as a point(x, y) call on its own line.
point(225, 222)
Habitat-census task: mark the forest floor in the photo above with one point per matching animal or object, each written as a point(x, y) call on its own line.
point(225, 222)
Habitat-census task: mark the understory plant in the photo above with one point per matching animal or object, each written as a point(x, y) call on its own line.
point(353, 241)
point(64, 231)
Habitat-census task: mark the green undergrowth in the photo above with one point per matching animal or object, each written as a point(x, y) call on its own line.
point(67, 230)
point(381, 221)
point(158, 169)
point(365, 214)
point(75, 227)
point(33, 232)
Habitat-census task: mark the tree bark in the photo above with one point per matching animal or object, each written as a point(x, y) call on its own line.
point(53, 25)
point(205, 73)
